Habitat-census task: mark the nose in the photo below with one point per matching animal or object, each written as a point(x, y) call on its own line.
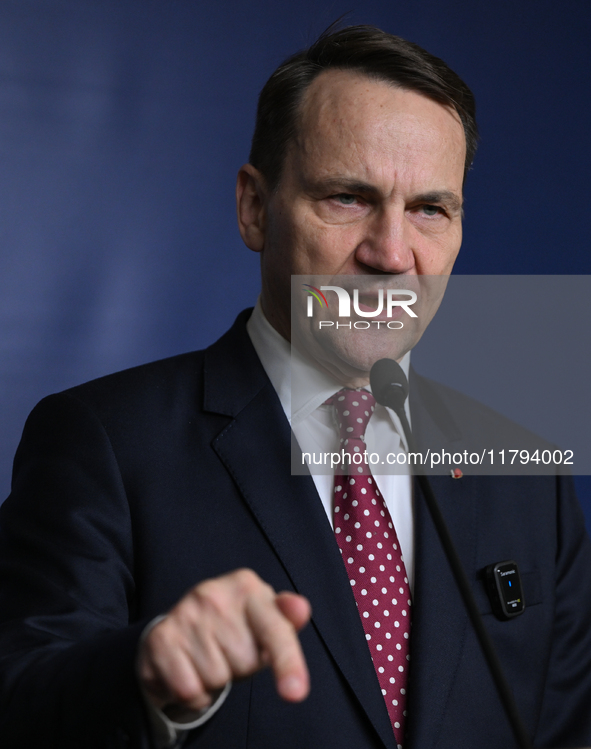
point(386, 245)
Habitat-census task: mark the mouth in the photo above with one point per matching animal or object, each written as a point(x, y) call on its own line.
point(374, 297)
point(370, 302)
point(377, 304)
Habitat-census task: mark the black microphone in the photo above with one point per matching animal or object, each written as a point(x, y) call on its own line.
point(390, 388)
point(389, 384)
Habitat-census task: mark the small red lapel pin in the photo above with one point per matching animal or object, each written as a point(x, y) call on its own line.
point(456, 473)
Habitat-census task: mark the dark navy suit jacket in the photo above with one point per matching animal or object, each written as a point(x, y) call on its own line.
point(130, 489)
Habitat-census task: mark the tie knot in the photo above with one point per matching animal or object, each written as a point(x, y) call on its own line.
point(353, 410)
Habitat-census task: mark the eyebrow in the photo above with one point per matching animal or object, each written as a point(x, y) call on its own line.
point(344, 184)
point(447, 197)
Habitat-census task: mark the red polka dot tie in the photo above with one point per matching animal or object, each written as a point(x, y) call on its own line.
point(368, 542)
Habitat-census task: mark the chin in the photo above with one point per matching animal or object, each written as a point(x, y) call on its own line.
point(355, 352)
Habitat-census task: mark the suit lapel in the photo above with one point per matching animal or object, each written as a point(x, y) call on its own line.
point(255, 448)
point(440, 624)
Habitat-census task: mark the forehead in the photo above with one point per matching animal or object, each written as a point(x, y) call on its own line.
point(349, 120)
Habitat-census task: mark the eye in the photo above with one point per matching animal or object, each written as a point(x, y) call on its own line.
point(345, 198)
point(431, 210)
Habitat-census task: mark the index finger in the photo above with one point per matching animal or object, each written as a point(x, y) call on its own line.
point(277, 636)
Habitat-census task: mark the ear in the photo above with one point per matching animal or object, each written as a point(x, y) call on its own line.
point(251, 207)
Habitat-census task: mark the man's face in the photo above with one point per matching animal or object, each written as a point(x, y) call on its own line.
point(372, 184)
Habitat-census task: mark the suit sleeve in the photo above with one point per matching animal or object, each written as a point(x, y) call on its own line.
point(68, 638)
point(566, 710)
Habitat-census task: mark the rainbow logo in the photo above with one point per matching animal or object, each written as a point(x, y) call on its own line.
point(317, 294)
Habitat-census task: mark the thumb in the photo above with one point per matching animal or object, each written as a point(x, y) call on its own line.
point(294, 607)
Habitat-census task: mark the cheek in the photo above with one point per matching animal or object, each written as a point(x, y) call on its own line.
point(438, 259)
point(326, 250)
point(280, 241)
point(314, 248)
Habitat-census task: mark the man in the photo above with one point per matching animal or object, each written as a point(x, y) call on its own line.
point(153, 515)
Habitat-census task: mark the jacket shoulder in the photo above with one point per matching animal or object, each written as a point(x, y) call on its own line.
point(444, 418)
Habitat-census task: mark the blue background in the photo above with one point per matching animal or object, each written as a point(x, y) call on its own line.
point(122, 126)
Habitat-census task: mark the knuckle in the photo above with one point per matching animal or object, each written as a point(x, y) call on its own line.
point(216, 675)
point(226, 592)
point(186, 694)
point(241, 650)
point(247, 580)
point(184, 619)
point(204, 588)
point(251, 586)
point(159, 638)
point(247, 659)
point(212, 599)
